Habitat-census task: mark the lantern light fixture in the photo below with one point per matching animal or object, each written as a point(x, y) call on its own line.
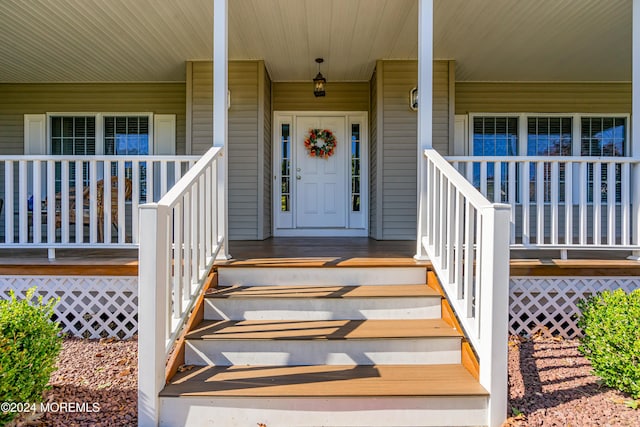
point(319, 81)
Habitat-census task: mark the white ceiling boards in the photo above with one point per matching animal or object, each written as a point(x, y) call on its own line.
point(149, 40)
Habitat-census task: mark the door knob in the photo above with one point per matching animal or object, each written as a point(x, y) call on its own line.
point(298, 169)
point(298, 177)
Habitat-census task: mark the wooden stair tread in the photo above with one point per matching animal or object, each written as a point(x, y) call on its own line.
point(325, 380)
point(306, 262)
point(377, 291)
point(321, 329)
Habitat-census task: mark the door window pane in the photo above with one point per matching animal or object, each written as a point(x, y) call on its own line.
point(285, 165)
point(355, 167)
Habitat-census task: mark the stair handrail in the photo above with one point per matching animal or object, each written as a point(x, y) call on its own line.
point(466, 237)
point(180, 237)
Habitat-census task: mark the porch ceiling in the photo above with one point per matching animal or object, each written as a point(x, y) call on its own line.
point(149, 40)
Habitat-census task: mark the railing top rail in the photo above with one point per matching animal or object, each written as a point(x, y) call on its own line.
point(99, 157)
point(548, 159)
point(465, 187)
point(177, 191)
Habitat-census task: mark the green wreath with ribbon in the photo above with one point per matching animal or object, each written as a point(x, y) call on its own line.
point(325, 150)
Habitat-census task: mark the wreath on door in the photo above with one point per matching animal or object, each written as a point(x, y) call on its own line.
point(316, 149)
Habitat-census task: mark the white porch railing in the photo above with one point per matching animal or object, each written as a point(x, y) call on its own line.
point(180, 237)
point(62, 202)
point(560, 202)
point(466, 237)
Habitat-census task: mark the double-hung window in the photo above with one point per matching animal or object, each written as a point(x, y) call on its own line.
point(72, 136)
point(548, 136)
point(128, 135)
point(494, 136)
point(107, 133)
point(603, 137)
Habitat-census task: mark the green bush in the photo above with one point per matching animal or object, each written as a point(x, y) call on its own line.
point(29, 347)
point(611, 342)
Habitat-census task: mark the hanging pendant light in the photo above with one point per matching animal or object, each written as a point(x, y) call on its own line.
point(319, 81)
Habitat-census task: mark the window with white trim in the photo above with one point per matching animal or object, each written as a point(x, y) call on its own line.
point(603, 136)
point(549, 135)
point(494, 136)
point(72, 136)
point(119, 135)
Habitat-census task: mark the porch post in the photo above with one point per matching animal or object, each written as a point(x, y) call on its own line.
point(425, 111)
point(635, 126)
point(220, 91)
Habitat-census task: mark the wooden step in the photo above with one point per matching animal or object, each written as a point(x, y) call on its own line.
point(320, 261)
point(326, 381)
point(308, 291)
point(322, 302)
point(321, 329)
point(326, 342)
point(292, 274)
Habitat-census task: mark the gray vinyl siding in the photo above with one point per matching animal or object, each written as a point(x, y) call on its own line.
point(542, 97)
point(373, 158)
point(399, 146)
point(243, 150)
point(341, 96)
point(244, 140)
point(267, 112)
point(16, 100)
point(201, 106)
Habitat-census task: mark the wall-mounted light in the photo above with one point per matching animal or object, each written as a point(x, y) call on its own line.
point(413, 99)
point(228, 100)
point(319, 81)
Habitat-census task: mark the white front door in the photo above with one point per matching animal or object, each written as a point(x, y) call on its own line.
point(321, 186)
point(320, 196)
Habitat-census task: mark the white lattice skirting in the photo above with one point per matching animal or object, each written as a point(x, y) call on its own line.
point(549, 303)
point(89, 307)
point(107, 306)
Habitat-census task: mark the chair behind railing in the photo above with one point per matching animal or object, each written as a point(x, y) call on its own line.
point(84, 206)
point(39, 192)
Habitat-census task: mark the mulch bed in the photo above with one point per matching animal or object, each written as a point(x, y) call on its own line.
point(94, 371)
point(549, 382)
point(552, 385)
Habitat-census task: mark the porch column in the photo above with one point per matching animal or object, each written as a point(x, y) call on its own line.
point(425, 109)
point(220, 91)
point(635, 124)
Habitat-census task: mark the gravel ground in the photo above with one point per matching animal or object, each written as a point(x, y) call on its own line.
point(549, 382)
point(552, 385)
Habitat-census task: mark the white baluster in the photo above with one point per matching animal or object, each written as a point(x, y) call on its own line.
point(555, 200)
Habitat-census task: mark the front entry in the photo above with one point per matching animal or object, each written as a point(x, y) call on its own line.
point(315, 193)
point(320, 192)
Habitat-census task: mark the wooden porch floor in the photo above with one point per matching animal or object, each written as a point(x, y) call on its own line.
point(321, 252)
point(326, 251)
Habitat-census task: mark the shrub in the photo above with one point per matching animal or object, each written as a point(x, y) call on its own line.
point(29, 347)
point(611, 342)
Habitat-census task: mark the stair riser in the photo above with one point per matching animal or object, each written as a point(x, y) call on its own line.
point(323, 352)
point(322, 308)
point(321, 276)
point(315, 412)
